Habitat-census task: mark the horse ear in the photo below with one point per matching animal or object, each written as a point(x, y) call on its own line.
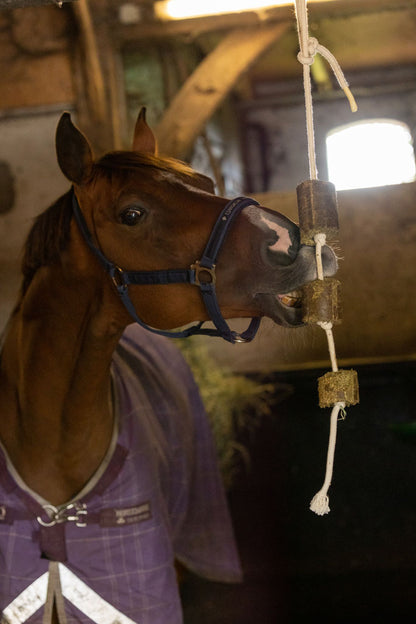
point(144, 140)
point(73, 151)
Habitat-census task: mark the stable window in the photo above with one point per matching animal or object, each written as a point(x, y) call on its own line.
point(368, 153)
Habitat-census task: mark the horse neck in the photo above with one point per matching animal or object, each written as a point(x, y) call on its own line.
point(65, 350)
point(55, 367)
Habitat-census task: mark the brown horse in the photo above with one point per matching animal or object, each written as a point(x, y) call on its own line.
point(152, 216)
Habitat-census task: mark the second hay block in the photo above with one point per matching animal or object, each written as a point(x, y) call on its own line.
point(321, 301)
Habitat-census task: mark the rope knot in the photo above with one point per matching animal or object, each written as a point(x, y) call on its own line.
point(326, 325)
point(320, 238)
point(312, 49)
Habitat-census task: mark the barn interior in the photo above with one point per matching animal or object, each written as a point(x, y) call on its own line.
point(224, 92)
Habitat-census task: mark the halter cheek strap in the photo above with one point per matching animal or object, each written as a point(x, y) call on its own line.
point(201, 274)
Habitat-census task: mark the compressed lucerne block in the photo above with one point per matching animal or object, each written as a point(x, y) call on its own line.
point(321, 301)
point(317, 207)
point(338, 387)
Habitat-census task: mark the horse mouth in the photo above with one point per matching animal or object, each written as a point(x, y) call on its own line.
point(291, 299)
point(282, 299)
point(284, 309)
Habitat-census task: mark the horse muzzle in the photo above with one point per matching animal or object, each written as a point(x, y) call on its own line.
point(279, 292)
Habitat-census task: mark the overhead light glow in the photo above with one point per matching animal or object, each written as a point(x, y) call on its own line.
point(370, 153)
point(182, 9)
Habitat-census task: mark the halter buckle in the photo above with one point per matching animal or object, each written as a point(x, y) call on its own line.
point(203, 275)
point(117, 277)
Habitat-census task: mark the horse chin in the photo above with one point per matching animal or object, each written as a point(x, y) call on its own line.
point(285, 310)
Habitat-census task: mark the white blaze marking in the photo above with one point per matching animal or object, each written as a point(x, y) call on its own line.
point(283, 242)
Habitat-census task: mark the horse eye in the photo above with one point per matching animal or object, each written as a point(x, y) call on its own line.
point(131, 216)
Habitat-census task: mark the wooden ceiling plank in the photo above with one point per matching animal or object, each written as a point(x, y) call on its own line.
point(19, 4)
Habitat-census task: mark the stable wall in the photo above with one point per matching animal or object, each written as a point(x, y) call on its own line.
point(28, 147)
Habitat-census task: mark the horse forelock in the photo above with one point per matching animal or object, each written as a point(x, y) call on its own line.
point(47, 238)
point(123, 161)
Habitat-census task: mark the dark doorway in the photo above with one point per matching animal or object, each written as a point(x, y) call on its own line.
point(359, 560)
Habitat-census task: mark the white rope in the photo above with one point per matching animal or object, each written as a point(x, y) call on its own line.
point(320, 240)
point(320, 502)
point(327, 327)
point(312, 47)
point(309, 46)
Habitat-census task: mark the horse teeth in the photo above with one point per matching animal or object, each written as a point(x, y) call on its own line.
point(291, 299)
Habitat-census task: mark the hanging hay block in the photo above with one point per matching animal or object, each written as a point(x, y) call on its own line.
point(317, 207)
point(321, 301)
point(338, 386)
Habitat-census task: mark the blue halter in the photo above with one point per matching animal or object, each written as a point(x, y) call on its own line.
point(201, 274)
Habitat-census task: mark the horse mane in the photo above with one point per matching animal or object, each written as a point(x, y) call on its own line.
point(47, 238)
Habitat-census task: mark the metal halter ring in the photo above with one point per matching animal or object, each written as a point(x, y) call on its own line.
point(203, 275)
point(117, 276)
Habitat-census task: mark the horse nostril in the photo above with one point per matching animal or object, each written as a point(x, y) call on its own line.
point(272, 239)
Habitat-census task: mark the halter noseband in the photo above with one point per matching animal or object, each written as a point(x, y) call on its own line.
point(201, 274)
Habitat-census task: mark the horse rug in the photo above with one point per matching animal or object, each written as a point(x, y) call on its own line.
point(107, 556)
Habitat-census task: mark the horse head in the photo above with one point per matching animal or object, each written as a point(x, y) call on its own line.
point(158, 228)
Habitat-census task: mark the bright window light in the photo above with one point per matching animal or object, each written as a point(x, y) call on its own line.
point(370, 153)
point(182, 9)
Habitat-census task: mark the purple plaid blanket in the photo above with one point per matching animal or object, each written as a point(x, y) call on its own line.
point(108, 555)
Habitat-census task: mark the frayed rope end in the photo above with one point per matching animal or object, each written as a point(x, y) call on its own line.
point(319, 504)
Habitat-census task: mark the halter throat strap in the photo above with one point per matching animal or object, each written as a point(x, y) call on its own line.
point(201, 274)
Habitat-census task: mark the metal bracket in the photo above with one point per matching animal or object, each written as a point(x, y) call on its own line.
point(74, 512)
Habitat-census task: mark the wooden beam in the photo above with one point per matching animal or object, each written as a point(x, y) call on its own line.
point(94, 73)
point(18, 4)
point(210, 83)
